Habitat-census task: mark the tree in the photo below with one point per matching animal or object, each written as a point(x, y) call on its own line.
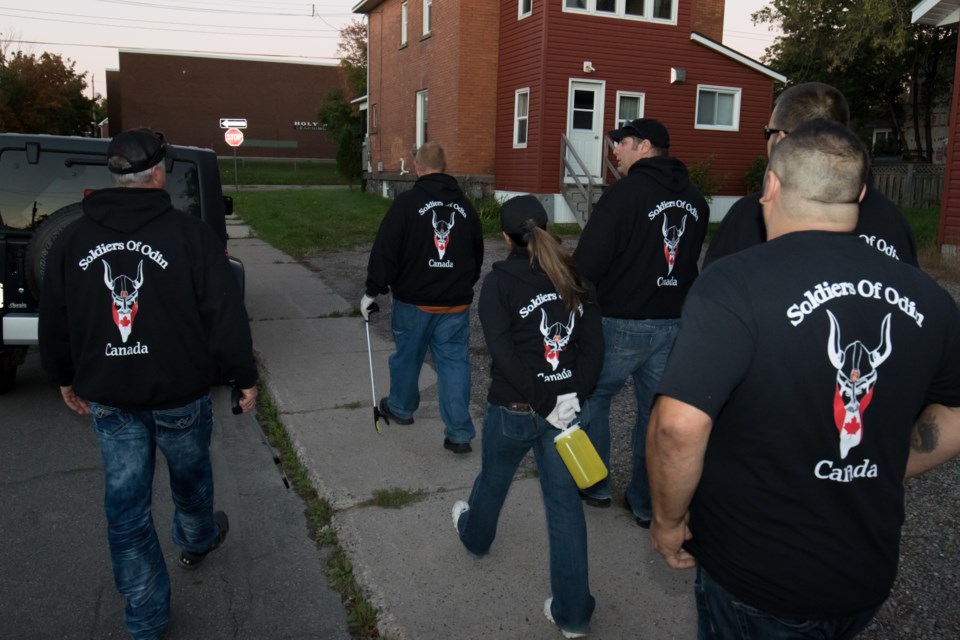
point(43, 95)
point(340, 117)
point(869, 50)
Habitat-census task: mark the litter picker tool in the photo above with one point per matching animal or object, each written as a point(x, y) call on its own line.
point(374, 307)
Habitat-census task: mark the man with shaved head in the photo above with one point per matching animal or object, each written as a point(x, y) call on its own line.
point(781, 434)
point(879, 224)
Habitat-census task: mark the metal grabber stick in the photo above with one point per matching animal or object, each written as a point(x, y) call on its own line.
point(373, 392)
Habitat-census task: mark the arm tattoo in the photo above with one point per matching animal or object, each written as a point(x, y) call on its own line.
point(926, 433)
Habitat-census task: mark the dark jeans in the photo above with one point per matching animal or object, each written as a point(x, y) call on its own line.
point(721, 616)
point(128, 442)
point(507, 437)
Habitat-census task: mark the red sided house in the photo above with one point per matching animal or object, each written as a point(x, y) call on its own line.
point(521, 93)
point(942, 13)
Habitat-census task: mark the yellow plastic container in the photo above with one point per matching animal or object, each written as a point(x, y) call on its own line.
point(580, 456)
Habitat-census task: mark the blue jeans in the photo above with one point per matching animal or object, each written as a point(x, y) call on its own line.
point(448, 336)
point(507, 437)
point(128, 441)
point(638, 349)
point(721, 616)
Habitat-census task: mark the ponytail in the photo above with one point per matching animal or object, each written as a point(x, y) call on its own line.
point(547, 254)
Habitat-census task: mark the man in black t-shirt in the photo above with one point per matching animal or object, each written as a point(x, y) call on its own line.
point(880, 224)
point(778, 444)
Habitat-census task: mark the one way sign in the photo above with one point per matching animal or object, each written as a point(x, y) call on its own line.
point(233, 123)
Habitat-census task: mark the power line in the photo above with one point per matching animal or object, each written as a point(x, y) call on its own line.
point(135, 20)
point(181, 51)
point(135, 3)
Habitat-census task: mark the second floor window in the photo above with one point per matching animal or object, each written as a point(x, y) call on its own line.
point(525, 8)
point(427, 16)
point(654, 10)
point(403, 24)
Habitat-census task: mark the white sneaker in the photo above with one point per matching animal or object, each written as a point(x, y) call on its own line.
point(460, 507)
point(566, 634)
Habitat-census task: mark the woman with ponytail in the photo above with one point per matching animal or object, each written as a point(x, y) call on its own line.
point(543, 331)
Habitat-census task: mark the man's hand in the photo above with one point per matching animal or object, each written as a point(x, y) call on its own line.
point(248, 399)
point(668, 542)
point(365, 303)
point(73, 401)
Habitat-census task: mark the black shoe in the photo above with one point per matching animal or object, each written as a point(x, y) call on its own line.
point(388, 415)
point(641, 522)
point(457, 447)
point(599, 503)
point(190, 560)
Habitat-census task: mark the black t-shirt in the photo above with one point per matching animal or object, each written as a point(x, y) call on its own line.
point(813, 354)
point(880, 225)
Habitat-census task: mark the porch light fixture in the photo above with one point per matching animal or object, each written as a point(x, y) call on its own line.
point(677, 75)
point(588, 67)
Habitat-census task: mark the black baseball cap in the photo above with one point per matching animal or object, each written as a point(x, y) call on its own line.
point(135, 151)
point(516, 212)
point(644, 129)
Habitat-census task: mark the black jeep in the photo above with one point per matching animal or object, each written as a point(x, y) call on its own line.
point(42, 181)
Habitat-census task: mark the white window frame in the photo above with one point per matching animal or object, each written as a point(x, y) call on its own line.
point(404, 15)
point(517, 118)
point(427, 16)
point(736, 92)
point(629, 94)
point(423, 115)
point(621, 14)
point(521, 14)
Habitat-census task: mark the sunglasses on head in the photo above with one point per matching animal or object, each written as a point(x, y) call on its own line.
point(767, 132)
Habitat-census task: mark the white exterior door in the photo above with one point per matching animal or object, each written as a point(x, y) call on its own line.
point(585, 125)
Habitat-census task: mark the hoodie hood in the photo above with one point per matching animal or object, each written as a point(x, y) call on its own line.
point(517, 265)
point(439, 186)
point(666, 171)
point(126, 209)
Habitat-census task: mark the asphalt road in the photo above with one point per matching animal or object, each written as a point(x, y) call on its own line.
point(267, 581)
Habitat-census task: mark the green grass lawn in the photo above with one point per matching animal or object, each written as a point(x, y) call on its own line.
point(283, 173)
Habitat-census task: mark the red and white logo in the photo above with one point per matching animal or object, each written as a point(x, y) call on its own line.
point(671, 239)
point(556, 336)
point(856, 367)
point(441, 232)
point(124, 291)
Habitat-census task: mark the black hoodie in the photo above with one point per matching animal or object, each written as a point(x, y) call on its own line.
point(642, 242)
point(429, 248)
point(139, 305)
point(539, 351)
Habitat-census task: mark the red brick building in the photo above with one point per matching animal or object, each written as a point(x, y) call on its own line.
point(500, 84)
point(186, 95)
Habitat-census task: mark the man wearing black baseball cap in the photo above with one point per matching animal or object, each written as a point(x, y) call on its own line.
point(139, 309)
point(640, 248)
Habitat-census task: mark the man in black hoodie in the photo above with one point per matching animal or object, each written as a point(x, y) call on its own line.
point(139, 306)
point(640, 248)
point(428, 254)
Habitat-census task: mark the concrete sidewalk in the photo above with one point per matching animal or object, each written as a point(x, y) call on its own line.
point(409, 561)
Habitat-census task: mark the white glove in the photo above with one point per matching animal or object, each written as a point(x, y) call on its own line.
point(365, 304)
point(565, 411)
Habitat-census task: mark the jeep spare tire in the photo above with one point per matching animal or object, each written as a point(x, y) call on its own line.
point(38, 251)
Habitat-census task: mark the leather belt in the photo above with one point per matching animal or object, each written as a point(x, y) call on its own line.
point(518, 406)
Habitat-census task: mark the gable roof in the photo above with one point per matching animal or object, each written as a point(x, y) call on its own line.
point(736, 55)
point(936, 12)
point(366, 6)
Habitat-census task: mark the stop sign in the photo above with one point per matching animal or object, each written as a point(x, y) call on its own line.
point(234, 137)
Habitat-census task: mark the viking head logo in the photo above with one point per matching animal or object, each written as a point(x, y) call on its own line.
point(124, 291)
point(555, 338)
point(671, 238)
point(856, 367)
point(441, 231)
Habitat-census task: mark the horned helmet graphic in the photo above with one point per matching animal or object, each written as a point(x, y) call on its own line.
point(555, 338)
point(125, 291)
point(441, 231)
point(671, 239)
point(856, 367)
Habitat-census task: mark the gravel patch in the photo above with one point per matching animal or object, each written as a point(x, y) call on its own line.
point(925, 601)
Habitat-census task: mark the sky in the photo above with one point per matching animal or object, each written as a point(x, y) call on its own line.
point(90, 32)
